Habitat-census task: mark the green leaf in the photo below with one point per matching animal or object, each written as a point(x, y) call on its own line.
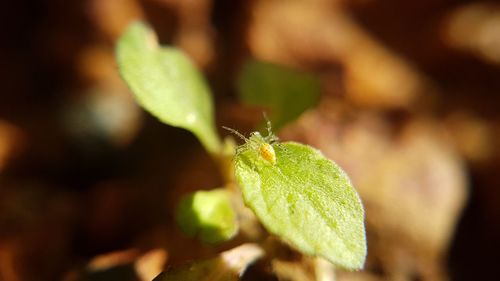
point(209, 215)
point(167, 84)
point(286, 92)
point(305, 199)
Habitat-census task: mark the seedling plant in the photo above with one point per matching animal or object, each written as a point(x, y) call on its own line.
point(298, 195)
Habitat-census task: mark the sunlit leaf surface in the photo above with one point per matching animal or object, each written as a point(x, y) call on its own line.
point(307, 200)
point(166, 83)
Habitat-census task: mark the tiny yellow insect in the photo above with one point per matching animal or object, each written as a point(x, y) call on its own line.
point(256, 142)
point(267, 152)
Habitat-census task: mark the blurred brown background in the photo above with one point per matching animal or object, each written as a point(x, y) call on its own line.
point(410, 108)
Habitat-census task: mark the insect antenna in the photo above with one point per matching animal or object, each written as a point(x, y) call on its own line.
point(268, 124)
point(236, 133)
point(271, 137)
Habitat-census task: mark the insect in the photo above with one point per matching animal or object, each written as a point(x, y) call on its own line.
point(258, 143)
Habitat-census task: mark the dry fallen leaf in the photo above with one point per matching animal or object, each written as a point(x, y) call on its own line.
point(228, 266)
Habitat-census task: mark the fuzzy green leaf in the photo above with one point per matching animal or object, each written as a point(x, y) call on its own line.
point(209, 215)
point(306, 200)
point(286, 92)
point(167, 84)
